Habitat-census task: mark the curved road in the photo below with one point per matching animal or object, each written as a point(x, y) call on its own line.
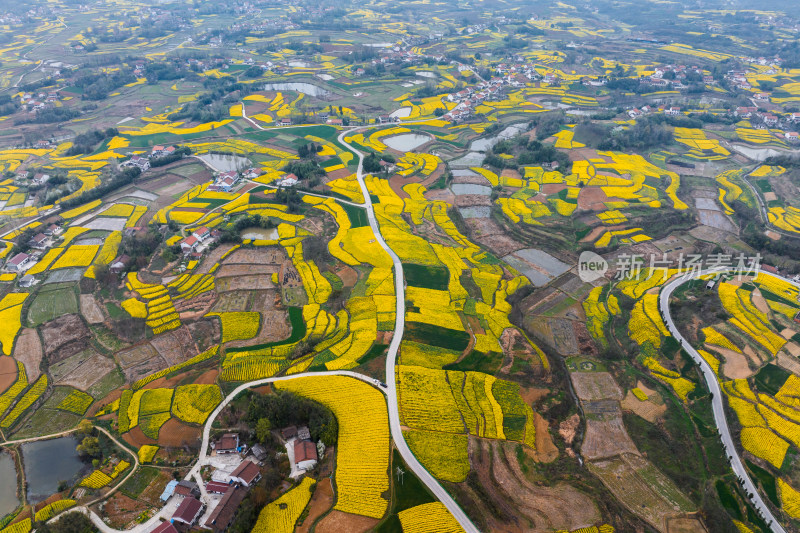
point(716, 400)
point(391, 358)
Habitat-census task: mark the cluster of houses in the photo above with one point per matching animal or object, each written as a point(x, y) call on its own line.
point(36, 102)
point(228, 180)
point(770, 120)
point(143, 163)
point(198, 241)
point(469, 97)
point(193, 502)
point(300, 448)
point(40, 242)
point(192, 507)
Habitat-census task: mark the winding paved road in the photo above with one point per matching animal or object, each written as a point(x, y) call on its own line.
point(391, 358)
point(716, 400)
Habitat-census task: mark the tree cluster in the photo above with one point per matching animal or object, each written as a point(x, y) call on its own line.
point(86, 142)
point(288, 409)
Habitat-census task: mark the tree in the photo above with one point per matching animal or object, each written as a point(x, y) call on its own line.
point(263, 428)
point(85, 428)
point(74, 522)
point(89, 447)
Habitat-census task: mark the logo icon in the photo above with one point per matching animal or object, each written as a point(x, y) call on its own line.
point(591, 266)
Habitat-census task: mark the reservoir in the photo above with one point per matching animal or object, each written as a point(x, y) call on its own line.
point(406, 142)
point(47, 463)
point(8, 488)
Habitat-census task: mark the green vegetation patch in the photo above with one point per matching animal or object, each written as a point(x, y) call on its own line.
point(515, 413)
point(405, 495)
point(766, 480)
point(51, 304)
point(358, 217)
point(437, 336)
point(476, 361)
point(771, 378)
point(139, 481)
point(426, 277)
point(728, 500)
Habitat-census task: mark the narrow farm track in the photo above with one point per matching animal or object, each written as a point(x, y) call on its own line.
point(716, 400)
point(391, 358)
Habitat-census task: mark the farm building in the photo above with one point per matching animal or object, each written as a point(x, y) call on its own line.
point(18, 262)
point(305, 454)
point(165, 527)
point(187, 488)
point(246, 473)
point(189, 511)
point(217, 487)
point(225, 511)
point(228, 443)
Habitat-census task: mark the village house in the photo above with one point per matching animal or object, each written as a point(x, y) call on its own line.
point(187, 489)
point(672, 111)
point(161, 151)
point(40, 179)
point(142, 163)
point(228, 443)
point(189, 511)
point(792, 136)
point(259, 452)
point(225, 181)
point(27, 281)
point(305, 454)
point(761, 96)
point(202, 234)
point(165, 527)
point(53, 230)
point(119, 264)
point(745, 112)
point(285, 121)
point(18, 263)
point(40, 241)
point(251, 173)
point(246, 473)
point(770, 120)
point(334, 121)
point(189, 244)
point(289, 181)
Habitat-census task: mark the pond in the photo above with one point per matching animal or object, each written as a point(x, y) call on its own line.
point(481, 145)
point(406, 142)
point(48, 463)
point(471, 159)
point(300, 87)
point(260, 234)
point(8, 489)
point(225, 162)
